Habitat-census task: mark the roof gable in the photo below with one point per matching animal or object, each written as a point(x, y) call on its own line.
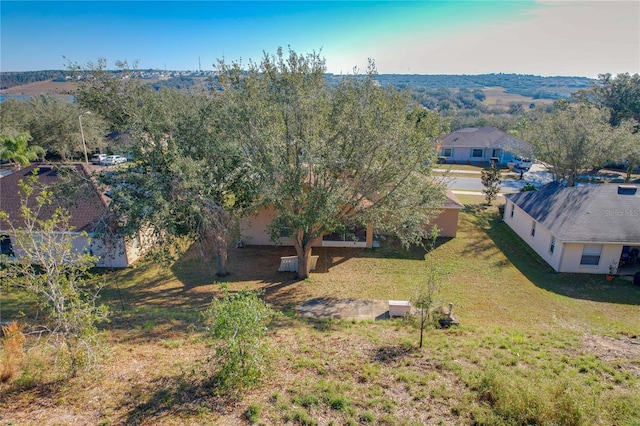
point(590, 213)
point(451, 201)
point(84, 204)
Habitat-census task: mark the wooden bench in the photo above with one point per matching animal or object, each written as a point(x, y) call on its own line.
point(399, 308)
point(290, 263)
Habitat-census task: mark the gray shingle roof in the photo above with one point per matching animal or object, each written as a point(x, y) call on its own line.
point(486, 137)
point(591, 213)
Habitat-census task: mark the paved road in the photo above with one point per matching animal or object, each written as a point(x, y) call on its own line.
point(536, 177)
point(474, 184)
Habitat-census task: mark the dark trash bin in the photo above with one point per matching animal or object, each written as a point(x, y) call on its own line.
point(636, 278)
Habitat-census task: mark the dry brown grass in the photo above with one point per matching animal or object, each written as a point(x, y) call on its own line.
point(13, 345)
point(497, 97)
point(519, 323)
point(50, 87)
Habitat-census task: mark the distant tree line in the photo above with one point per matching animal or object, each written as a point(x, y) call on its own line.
point(12, 79)
point(533, 86)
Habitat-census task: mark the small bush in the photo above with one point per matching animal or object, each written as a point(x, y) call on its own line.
point(172, 344)
point(238, 321)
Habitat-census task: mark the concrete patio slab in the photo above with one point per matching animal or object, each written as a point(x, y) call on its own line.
point(344, 309)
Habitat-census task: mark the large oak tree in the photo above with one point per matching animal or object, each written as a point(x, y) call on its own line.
point(332, 158)
point(621, 94)
point(186, 182)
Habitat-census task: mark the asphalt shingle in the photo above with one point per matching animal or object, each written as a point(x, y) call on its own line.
point(590, 213)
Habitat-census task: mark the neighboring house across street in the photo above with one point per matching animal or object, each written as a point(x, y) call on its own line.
point(473, 145)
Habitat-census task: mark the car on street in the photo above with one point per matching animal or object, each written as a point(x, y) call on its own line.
point(98, 158)
point(522, 163)
point(112, 160)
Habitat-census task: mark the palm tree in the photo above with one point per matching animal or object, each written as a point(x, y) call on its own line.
point(16, 149)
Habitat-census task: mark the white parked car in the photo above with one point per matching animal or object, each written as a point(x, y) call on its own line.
point(98, 158)
point(522, 163)
point(111, 160)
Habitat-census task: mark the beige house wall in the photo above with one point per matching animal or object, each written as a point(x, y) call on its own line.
point(253, 231)
point(566, 256)
point(447, 222)
point(540, 242)
point(111, 255)
point(572, 254)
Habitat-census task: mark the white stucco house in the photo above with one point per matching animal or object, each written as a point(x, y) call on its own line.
point(87, 207)
point(480, 145)
point(583, 229)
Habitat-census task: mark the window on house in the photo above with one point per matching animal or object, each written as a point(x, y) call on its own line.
point(477, 153)
point(354, 234)
point(5, 246)
point(513, 207)
point(552, 246)
point(591, 254)
point(533, 229)
point(285, 231)
point(135, 242)
point(447, 152)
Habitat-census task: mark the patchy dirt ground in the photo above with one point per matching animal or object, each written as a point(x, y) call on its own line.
point(610, 348)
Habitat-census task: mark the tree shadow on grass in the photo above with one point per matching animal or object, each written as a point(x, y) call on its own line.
point(389, 354)
point(578, 286)
point(174, 397)
point(156, 302)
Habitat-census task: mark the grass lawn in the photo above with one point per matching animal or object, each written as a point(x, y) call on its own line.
point(534, 347)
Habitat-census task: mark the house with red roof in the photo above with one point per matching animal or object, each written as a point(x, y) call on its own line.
point(76, 191)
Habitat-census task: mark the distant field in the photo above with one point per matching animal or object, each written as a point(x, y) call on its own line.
point(497, 97)
point(49, 87)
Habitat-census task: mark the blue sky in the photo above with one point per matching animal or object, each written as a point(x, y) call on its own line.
point(581, 38)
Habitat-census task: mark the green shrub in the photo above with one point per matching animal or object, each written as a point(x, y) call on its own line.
point(238, 322)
